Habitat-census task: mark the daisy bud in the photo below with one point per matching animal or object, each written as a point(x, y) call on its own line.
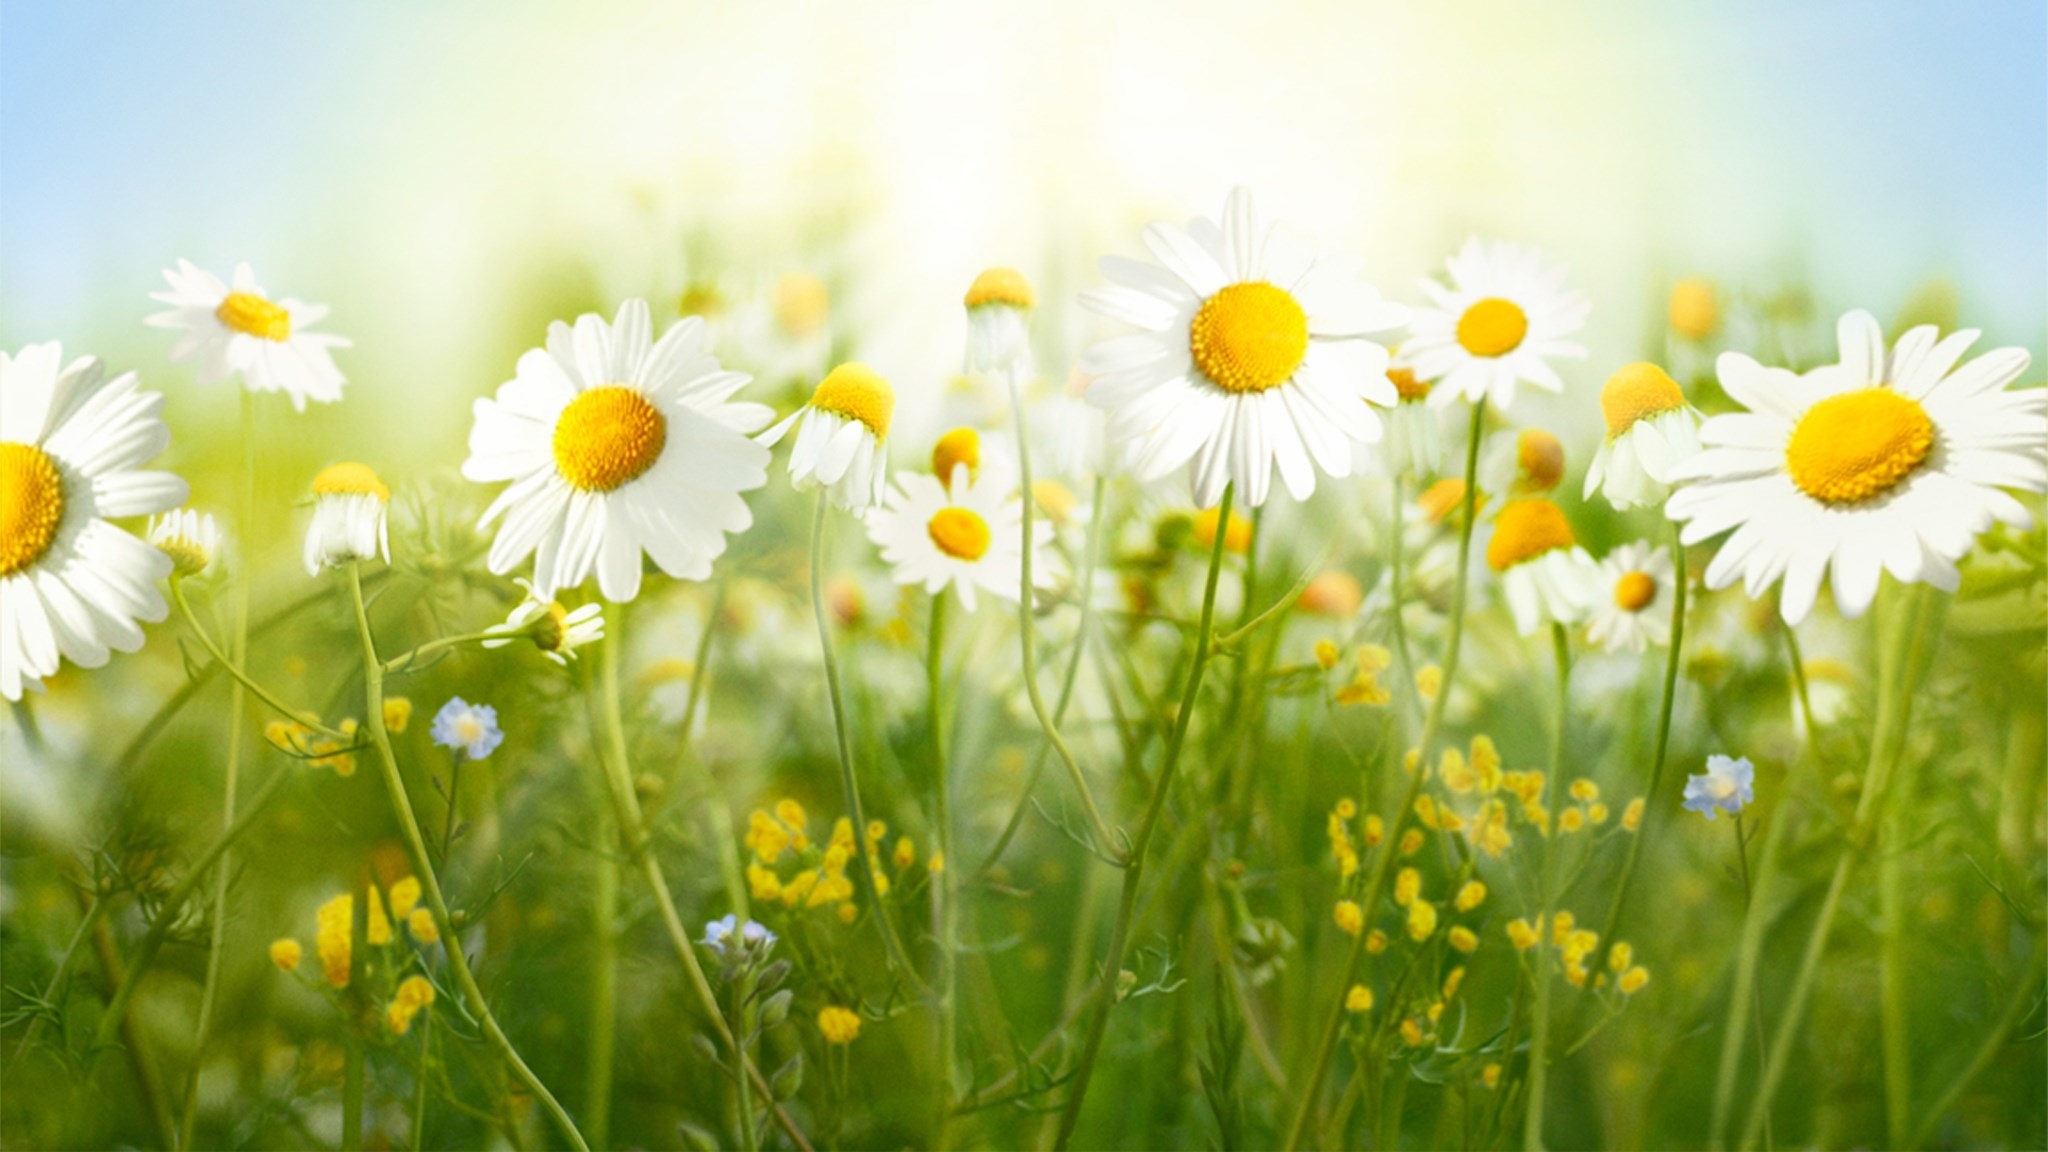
point(349, 505)
point(999, 306)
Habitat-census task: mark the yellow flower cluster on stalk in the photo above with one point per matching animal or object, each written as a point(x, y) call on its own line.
point(1365, 687)
point(415, 994)
point(1343, 847)
point(821, 881)
point(301, 739)
point(333, 930)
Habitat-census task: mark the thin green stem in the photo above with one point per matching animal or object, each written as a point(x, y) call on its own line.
point(55, 992)
point(234, 669)
point(2026, 996)
point(352, 1065)
point(423, 867)
point(1749, 952)
point(719, 808)
point(407, 660)
point(419, 1084)
point(1113, 961)
point(1397, 588)
point(604, 999)
point(740, 989)
point(945, 979)
point(1756, 997)
point(1546, 941)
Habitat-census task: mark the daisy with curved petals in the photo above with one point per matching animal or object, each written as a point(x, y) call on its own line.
point(72, 442)
point(1503, 317)
point(1546, 576)
point(1632, 614)
point(1875, 464)
point(617, 444)
point(1650, 428)
point(1252, 357)
point(967, 534)
point(844, 441)
point(236, 328)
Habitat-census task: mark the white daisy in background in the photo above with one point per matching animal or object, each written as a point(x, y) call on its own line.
point(843, 442)
point(191, 539)
point(1875, 464)
point(1503, 318)
point(1650, 428)
point(1546, 577)
point(1634, 613)
point(999, 306)
point(350, 518)
point(1068, 434)
point(563, 632)
point(72, 585)
point(1252, 357)
point(617, 445)
point(239, 329)
point(966, 534)
point(1414, 442)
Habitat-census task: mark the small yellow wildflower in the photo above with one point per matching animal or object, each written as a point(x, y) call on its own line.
point(397, 714)
point(798, 887)
point(1471, 896)
point(1421, 920)
point(849, 912)
point(1346, 808)
point(1411, 1033)
point(877, 831)
point(1429, 681)
point(790, 812)
point(1375, 830)
point(1411, 842)
point(1490, 1076)
point(1407, 886)
point(1561, 927)
point(1326, 655)
point(379, 930)
point(422, 926)
point(1464, 940)
point(1453, 982)
point(1486, 762)
point(838, 1025)
point(1425, 812)
point(286, 953)
point(1359, 999)
point(1365, 687)
point(1621, 955)
point(906, 853)
point(935, 863)
point(1455, 773)
point(1596, 812)
point(416, 990)
point(1350, 917)
point(1632, 981)
point(1572, 820)
point(763, 883)
point(1236, 538)
point(1584, 789)
point(331, 941)
point(1632, 816)
point(404, 896)
point(1521, 935)
point(1375, 941)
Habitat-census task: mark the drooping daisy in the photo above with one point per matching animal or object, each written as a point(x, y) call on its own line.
point(1252, 357)
point(190, 538)
point(617, 444)
point(562, 633)
point(72, 585)
point(350, 503)
point(1414, 440)
point(1546, 576)
point(844, 441)
point(1523, 462)
point(999, 306)
point(1650, 428)
point(1726, 786)
point(967, 533)
point(1875, 464)
point(1632, 613)
point(1503, 318)
point(237, 328)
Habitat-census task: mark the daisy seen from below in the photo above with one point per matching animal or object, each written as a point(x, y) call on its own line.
point(72, 585)
point(1414, 441)
point(1545, 575)
point(967, 533)
point(237, 328)
point(1502, 318)
point(842, 437)
point(1726, 786)
point(192, 539)
point(350, 521)
point(1252, 357)
point(1629, 608)
point(616, 445)
point(999, 306)
point(1650, 428)
point(562, 633)
point(1879, 463)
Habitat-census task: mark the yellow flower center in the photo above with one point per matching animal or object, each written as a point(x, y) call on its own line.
point(1249, 337)
point(959, 533)
point(856, 392)
point(802, 304)
point(608, 436)
point(1492, 327)
point(1638, 392)
point(1539, 457)
point(350, 479)
point(1237, 535)
point(1444, 497)
point(31, 505)
point(1634, 591)
point(252, 315)
point(1857, 445)
point(1000, 286)
point(1694, 312)
point(1407, 385)
point(1525, 530)
point(960, 446)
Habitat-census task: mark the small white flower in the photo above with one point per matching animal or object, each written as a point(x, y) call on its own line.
point(471, 729)
point(1650, 428)
point(967, 534)
point(564, 632)
point(349, 512)
point(1414, 441)
point(72, 443)
point(1633, 613)
point(239, 329)
point(1545, 575)
point(998, 316)
point(191, 539)
point(843, 443)
point(1725, 786)
point(1504, 316)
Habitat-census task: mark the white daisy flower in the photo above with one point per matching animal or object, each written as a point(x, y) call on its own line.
point(1875, 464)
point(564, 632)
point(999, 306)
point(239, 329)
point(1546, 576)
point(1650, 428)
point(966, 534)
point(350, 503)
point(1634, 613)
point(72, 585)
point(1252, 357)
point(1504, 316)
point(191, 539)
point(1414, 440)
point(844, 441)
point(617, 444)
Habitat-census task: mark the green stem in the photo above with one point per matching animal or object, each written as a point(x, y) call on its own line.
point(718, 808)
point(941, 894)
point(1375, 887)
point(352, 1066)
point(1756, 996)
point(407, 659)
point(1749, 952)
point(423, 867)
point(234, 669)
point(58, 988)
point(740, 989)
point(1397, 586)
point(1113, 962)
point(1546, 945)
point(2026, 996)
point(1893, 976)
point(419, 1086)
point(604, 999)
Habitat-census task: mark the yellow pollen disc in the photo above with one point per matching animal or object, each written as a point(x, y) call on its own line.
point(802, 303)
point(856, 392)
point(1634, 591)
point(350, 479)
point(960, 446)
point(608, 436)
point(1539, 457)
point(1249, 337)
point(1525, 530)
point(1407, 385)
point(1638, 392)
point(1857, 445)
point(959, 533)
point(1000, 286)
point(1693, 309)
point(31, 505)
point(1492, 327)
point(252, 315)
point(1444, 497)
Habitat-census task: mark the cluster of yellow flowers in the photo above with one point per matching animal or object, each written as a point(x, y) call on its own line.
point(414, 994)
point(1420, 1029)
point(1343, 848)
point(822, 880)
point(1575, 945)
point(838, 1025)
point(1368, 662)
point(333, 929)
point(300, 738)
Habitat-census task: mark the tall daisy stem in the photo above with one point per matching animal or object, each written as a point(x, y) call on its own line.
point(423, 867)
point(1307, 1108)
point(1546, 937)
point(1134, 864)
point(942, 896)
point(1749, 952)
point(1756, 995)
